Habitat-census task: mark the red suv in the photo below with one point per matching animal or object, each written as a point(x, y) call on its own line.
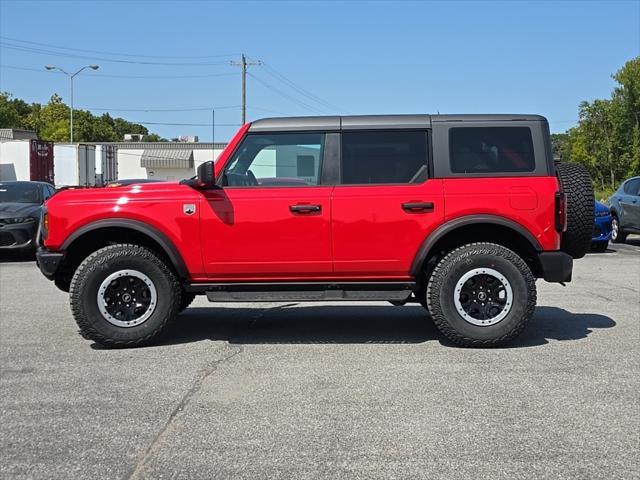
point(460, 213)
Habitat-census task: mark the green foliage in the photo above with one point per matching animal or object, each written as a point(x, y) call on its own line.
point(51, 122)
point(607, 137)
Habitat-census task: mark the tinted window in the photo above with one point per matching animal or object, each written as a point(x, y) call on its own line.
point(280, 159)
point(631, 187)
point(491, 149)
point(20, 193)
point(384, 157)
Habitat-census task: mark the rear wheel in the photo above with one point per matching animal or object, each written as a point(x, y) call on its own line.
point(616, 235)
point(578, 189)
point(123, 296)
point(481, 295)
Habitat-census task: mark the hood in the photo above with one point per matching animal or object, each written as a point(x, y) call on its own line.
point(14, 209)
point(601, 207)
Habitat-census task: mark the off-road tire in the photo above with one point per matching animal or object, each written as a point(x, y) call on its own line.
point(98, 266)
point(578, 189)
point(619, 237)
point(185, 300)
point(442, 287)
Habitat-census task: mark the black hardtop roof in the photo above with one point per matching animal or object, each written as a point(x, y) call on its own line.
point(351, 122)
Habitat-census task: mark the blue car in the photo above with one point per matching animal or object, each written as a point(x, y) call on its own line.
point(601, 228)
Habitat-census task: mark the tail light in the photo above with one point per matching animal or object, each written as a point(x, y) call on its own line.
point(561, 212)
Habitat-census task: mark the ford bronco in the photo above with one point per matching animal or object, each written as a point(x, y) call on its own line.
point(460, 213)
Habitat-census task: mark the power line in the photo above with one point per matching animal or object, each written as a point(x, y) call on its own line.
point(287, 96)
point(306, 93)
point(196, 109)
point(14, 67)
point(187, 124)
point(102, 59)
point(250, 107)
point(117, 54)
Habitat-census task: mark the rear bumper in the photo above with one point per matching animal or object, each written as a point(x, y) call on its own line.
point(48, 262)
point(556, 266)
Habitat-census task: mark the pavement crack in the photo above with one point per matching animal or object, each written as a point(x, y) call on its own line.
point(138, 469)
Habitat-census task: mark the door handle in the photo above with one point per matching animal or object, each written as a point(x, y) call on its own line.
point(418, 207)
point(305, 208)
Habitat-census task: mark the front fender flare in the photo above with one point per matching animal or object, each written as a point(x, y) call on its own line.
point(156, 235)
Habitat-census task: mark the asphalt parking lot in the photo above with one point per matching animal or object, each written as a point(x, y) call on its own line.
point(326, 391)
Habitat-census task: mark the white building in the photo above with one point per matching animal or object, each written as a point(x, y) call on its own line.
point(163, 160)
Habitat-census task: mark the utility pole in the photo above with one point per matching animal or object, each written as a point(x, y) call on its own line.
point(243, 64)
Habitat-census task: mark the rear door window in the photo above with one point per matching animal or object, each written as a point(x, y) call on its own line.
point(379, 157)
point(491, 150)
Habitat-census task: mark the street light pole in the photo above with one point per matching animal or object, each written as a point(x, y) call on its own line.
point(71, 77)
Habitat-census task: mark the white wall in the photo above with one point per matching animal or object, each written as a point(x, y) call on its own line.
point(14, 160)
point(129, 165)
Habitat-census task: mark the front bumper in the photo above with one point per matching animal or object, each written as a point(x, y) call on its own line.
point(48, 262)
point(18, 236)
point(602, 229)
point(556, 266)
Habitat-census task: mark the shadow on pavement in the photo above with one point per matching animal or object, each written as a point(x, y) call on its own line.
point(552, 323)
point(17, 257)
point(351, 324)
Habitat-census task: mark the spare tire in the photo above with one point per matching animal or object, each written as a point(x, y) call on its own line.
point(578, 190)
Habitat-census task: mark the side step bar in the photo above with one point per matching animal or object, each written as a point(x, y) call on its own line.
point(304, 291)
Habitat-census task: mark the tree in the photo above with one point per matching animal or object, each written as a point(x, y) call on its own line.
point(607, 137)
point(51, 121)
point(9, 116)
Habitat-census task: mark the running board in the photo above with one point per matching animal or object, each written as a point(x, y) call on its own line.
point(304, 291)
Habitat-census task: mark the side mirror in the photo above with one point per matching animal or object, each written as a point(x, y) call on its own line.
point(206, 175)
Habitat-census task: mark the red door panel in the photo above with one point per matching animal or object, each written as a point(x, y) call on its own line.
point(267, 233)
point(373, 235)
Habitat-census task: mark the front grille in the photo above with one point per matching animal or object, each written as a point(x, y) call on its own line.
point(6, 239)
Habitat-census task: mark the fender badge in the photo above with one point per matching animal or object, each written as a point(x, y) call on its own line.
point(189, 208)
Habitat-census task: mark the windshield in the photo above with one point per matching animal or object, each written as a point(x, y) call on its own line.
point(19, 193)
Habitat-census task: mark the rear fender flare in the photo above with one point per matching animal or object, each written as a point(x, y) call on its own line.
point(450, 226)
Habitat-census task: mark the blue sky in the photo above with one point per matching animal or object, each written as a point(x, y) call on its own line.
point(352, 57)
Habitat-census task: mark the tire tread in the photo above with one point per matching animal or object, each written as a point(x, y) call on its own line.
point(435, 284)
point(94, 261)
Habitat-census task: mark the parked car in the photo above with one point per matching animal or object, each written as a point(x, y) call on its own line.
point(460, 213)
point(601, 228)
point(625, 210)
point(20, 208)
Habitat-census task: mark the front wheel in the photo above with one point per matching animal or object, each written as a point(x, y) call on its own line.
point(123, 296)
point(481, 295)
point(616, 235)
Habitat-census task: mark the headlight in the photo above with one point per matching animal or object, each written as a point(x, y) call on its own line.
point(602, 213)
point(11, 221)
